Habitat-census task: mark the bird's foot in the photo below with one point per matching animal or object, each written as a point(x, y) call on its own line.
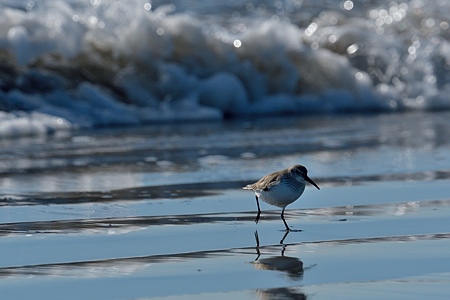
point(288, 229)
point(291, 230)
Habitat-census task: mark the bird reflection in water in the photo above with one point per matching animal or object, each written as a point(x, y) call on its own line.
point(290, 265)
point(284, 293)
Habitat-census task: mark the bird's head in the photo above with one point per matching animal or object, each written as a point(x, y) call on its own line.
point(300, 173)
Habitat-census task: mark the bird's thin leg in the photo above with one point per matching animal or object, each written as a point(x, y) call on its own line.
point(284, 221)
point(259, 210)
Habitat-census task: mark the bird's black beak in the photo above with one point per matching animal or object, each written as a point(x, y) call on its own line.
point(312, 182)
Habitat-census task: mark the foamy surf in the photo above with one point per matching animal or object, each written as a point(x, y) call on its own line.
point(70, 64)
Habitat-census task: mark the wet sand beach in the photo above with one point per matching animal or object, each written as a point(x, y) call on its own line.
point(159, 212)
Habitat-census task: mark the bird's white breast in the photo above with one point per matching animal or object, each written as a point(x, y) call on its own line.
point(280, 195)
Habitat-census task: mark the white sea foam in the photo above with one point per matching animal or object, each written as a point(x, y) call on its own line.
point(102, 63)
point(35, 123)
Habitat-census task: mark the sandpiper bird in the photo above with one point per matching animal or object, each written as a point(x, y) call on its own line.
point(281, 188)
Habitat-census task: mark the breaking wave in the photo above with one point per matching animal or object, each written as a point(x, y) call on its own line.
point(80, 64)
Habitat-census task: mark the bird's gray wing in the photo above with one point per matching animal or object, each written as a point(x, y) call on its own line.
point(268, 181)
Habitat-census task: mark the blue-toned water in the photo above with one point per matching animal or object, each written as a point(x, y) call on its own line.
point(128, 128)
point(71, 64)
point(159, 211)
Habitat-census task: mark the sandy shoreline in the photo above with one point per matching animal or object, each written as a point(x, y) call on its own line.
point(155, 225)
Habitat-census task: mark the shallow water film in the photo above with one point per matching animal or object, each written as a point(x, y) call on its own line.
point(159, 212)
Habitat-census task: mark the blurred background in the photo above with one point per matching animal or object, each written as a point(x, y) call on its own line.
point(80, 64)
